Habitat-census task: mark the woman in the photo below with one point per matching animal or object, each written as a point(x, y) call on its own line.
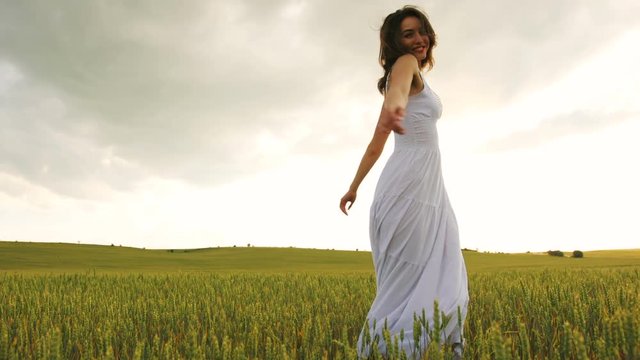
point(413, 230)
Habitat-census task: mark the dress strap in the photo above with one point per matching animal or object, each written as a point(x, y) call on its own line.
point(386, 84)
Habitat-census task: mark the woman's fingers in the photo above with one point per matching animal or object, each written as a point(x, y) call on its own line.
point(347, 198)
point(343, 203)
point(397, 127)
point(396, 117)
point(392, 120)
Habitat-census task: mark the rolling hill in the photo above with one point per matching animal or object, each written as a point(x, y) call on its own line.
point(31, 257)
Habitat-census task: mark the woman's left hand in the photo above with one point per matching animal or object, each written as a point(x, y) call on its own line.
point(349, 197)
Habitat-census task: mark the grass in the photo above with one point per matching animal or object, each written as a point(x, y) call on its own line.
point(92, 301)
point(31, 257)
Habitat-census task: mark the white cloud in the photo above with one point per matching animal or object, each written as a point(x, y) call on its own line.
point(231, 122)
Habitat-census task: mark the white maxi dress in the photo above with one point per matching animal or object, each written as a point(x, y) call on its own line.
point(414, 236)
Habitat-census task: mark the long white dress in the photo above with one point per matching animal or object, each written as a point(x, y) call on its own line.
point(414, 236)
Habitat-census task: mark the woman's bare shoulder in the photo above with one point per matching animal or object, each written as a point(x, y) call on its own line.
point(406, 61)
point(406, 67)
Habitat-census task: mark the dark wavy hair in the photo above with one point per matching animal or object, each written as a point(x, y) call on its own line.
point(390, 47)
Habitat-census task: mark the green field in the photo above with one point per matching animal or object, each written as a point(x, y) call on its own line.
point(67, 258)
point(68, 301)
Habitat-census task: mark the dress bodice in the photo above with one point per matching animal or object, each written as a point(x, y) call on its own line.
point(413, 170)
point(422, 112)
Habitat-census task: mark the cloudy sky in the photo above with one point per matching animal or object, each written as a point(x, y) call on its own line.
point(181, 124)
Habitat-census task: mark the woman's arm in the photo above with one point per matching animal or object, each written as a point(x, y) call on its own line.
point(371, 155)
point(391, 114)
point(397, 96)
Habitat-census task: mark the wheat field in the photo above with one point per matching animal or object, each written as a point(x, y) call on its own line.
point(520, 314)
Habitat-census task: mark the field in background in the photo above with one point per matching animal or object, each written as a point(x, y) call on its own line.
point(67, 258)
point(64, 301)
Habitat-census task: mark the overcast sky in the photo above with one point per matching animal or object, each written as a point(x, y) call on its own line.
point(180, 124)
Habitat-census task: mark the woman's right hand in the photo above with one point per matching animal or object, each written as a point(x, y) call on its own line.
point(391, 119)
point(349, 197)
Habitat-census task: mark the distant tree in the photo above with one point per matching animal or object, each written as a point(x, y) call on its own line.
point(555, 253)
point(249, 245)
point(234, 246)
point(577, 254)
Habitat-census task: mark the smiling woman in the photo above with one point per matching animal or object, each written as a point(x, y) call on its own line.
point(416, 34)
point(420, 271)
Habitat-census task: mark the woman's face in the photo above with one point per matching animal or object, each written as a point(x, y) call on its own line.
point(413, 37)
